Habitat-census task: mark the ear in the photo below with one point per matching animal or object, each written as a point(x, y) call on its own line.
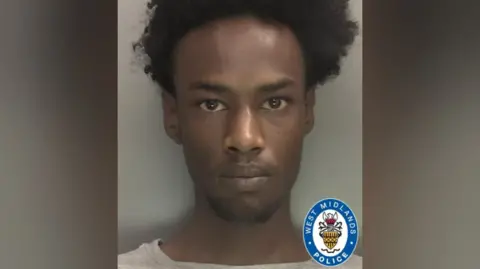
point(309, 110)
point(170, 117)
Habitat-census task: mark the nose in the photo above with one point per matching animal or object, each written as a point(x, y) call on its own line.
point(244, 134)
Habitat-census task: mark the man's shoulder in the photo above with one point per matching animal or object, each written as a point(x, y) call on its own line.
point(147, 256)
point(354, 262)
point(136, 259)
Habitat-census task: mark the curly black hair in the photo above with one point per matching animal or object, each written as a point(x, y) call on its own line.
point(322, 27)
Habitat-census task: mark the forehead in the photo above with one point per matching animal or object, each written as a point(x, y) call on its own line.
point(238, 51)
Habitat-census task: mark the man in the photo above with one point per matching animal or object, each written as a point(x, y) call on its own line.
point(238, 80)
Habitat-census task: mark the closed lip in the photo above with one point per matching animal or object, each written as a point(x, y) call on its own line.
point(245, 184)
point(239, 177)
point(245, 172)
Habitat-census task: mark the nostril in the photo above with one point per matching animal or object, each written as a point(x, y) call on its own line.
point(233, 149)
point(247, 150)
point(237, 150)
point(256, 149)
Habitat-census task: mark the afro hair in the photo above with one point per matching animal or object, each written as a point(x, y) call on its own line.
point(322, 27)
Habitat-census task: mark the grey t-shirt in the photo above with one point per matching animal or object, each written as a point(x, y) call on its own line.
point(150, 256)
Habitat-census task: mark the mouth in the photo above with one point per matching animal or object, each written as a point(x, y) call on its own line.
point(245, 178)
point(244, 172)
point(245, 184)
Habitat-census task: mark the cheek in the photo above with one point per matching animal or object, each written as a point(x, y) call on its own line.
point(202, 137)
point(285, 151)
point(285, 142)
point(286, 146)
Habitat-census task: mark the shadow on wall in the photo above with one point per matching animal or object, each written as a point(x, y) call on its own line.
point(132, 237)
point(359, 250)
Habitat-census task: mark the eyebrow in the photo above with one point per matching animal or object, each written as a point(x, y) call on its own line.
point(222, 88)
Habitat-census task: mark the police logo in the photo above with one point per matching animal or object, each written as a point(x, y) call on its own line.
point(330, 232)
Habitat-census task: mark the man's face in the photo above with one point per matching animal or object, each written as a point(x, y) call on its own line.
point(241, 112)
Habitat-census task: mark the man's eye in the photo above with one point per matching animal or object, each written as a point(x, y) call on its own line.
point(212, 105)
point(275, 104)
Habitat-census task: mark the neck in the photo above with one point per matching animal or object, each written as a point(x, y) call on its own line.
point(208, 239)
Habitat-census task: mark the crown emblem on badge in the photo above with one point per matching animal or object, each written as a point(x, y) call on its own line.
point(330, 221)
point(330, 231)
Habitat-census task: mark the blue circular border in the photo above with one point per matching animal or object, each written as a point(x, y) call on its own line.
point(308, 237)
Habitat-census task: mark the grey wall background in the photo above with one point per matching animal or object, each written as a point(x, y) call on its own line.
point(154, 190)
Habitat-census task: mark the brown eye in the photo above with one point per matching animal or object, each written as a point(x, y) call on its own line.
point(274, 104)
point(212, 105)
